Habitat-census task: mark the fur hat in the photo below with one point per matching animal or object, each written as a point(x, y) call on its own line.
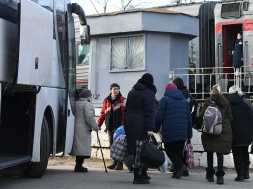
point(215, 89)
point(233, 89)
point(169, 86)
point(85, 93)
point(148, 77)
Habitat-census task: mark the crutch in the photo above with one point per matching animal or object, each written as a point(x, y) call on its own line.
point(101, 152)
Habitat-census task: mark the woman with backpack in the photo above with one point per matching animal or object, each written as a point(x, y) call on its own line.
point(242, 111)
point(220, 144)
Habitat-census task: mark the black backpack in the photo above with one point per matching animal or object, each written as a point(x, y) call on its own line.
point(195, 113)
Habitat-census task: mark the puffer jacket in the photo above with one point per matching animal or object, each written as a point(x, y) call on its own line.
point(219, 143)
point(174, 117)
point(242, 124)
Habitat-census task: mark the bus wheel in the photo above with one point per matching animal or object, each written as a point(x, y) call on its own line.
point(37, 169)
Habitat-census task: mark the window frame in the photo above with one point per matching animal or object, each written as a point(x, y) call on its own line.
point(144, 56)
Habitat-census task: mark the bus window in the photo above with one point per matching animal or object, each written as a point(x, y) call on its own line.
point(83, 54)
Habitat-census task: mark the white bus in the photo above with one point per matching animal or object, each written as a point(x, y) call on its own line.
point(37, 81)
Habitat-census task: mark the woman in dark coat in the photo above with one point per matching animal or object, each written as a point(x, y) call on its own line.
point(238, 52)
point(139, 122)
point(221, 144)
point(242, 127)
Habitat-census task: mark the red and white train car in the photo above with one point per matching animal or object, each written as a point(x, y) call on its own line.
point(231, 18)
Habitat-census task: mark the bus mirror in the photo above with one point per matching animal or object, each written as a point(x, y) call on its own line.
point(85, 34)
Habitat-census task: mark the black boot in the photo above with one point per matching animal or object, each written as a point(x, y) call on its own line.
point(210, 175)
point(220, 179)
point(113, 165)
point(138, 179)
point(79, 165)
point(80, 169)
point(239, 170)
point(246, 172)
point(145, 174)
point(180, 172)
point(119, 166)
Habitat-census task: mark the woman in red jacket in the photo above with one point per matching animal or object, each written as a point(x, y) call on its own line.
point(112, 114)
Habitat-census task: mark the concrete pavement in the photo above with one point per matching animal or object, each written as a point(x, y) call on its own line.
point(61, 175)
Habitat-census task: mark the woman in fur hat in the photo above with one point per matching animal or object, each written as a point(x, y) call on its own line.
point(242, 111)
point(220, 144)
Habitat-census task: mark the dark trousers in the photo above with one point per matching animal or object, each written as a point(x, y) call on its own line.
point(240, 155)
point(110, 137)
point(220, 160)
point(79, 159)
point(174, 151)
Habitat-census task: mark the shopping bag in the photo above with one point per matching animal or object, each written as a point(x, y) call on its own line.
point(118, 149)
point(163, 168)
point(189, 154)
point(150, 155)
point(118, 132)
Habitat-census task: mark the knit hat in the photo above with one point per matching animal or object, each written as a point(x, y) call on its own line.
point(148, 77)
point(169, 86)
point(85, 93)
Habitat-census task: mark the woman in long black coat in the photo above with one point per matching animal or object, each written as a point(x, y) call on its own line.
point(140, 122)
point(242, 128)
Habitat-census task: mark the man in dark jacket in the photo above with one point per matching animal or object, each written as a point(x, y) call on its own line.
point(174, 116)
point(242, 128)
point(140, 122)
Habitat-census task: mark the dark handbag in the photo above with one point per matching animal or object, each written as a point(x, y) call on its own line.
point(151, 156)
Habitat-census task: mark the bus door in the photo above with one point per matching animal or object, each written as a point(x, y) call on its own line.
point(229, 34)
point(70, 98)
point(35, 44)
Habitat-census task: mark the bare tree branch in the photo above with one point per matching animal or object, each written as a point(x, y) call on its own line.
point(125, 7)
point(128, 5)
point(103, 4)
point(91, 1)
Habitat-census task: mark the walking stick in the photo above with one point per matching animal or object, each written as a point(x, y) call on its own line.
point(101, 152)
